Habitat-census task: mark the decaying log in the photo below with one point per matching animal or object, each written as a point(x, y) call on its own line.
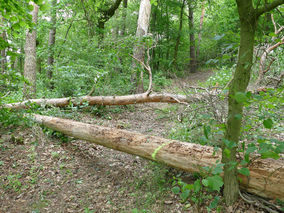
point(107, 100)
point(266, 176)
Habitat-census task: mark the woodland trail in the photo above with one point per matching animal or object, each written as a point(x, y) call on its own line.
point(41, 173)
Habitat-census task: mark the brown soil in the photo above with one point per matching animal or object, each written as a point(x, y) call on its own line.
point(40, 173)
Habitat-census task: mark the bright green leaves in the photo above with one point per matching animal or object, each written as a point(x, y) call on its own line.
point(154, 2)
point(176, 190)
point(240, 97)
point(206, 131)
point(243, 97)
point(244, 171)
point(270, 154)
point(214, 182)
point(268, 123)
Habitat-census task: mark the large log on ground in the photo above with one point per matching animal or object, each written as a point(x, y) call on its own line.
point(108, 100)
point(266, 176)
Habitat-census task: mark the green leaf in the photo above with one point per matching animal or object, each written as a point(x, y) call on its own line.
point(268, 123)
point(176, 190)
point(227, 152)
point(205, 182)
point(241, 97)
point(184, 195)
point(238, 116)
point(244, 171)
point(270, 154)
point(197, 186)
point(215, 182)
point(218, 169)
point(206, 130)
point(214, 203)
point(229, 144)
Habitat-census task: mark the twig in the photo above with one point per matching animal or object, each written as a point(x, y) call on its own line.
point(148, 68)
point(259, 203)
point(6, 94)
point(275, 27)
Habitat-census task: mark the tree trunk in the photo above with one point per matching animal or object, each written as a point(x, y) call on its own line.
point(200, 30)
point(192, 62)
point(51, 40)
point(239, 83)
point(30, 60)
point(179, 34)
point(153, 30)
point(142, 30)
point(186, 156)
point(109, 100)
point(3, 54)
point(124, 15)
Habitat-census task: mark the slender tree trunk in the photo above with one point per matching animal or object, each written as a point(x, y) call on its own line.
point(200, 30)
point(124, 15)
point(3, 54)
point(179, 34)
point(21, 60)
point(30, 60)
point(248, 22)
point(238, 84)
point(153, 30)
point(192, 62)
point(142, 30)
point(38, 64)
point(51, 40)
point(167, 32)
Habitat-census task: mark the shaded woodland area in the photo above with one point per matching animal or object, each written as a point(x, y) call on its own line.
point(141, 106)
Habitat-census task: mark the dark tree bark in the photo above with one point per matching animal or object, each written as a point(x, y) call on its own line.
point(105, 15)
point(3, 54)
point(51, 40)
point(30, 59)
point(179, 33)
point(248, 22)
point(124, 15)
point(192, 62)
point(200, 30)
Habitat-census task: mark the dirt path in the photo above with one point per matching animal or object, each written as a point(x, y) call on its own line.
point(40, 173)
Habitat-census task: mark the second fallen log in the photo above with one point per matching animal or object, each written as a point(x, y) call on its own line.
point(266, 175)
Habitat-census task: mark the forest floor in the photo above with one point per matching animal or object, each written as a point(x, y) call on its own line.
point(41, 173)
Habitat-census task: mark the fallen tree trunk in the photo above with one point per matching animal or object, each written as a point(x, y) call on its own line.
point(266, 176)
point(107, 100)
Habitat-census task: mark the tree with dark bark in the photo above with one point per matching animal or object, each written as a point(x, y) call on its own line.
point(248, 16)
point(192, 60)
point(179, 32)
point(51, 40)
point(105, 15)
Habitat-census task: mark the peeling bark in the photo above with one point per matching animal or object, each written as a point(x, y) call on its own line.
point(266, 176)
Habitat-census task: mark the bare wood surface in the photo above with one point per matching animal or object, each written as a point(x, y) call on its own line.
point(266, 176)
point(108, 100)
